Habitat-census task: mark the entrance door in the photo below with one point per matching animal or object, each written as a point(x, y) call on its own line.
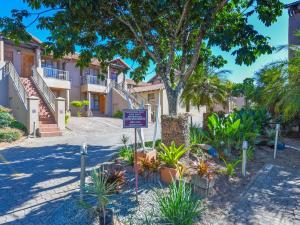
point(102, 103)
point(27, 63)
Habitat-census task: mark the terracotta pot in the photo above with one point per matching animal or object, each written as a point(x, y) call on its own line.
point(167, 174)
point(149, 155)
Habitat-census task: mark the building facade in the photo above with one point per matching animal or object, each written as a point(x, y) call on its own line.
point(26, 72)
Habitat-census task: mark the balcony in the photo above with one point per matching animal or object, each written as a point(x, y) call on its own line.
point(56, 78)
point(91, 83)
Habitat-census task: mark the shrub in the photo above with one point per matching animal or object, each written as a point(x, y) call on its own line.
point(126, 153)
point(67, 117)
point(230, 167)
point(178, 207)
point(171, 155)
point(149, 144)
point(80, 105)
point(6, 119)
point(4, 109)
point(101, 189)
point(18, 125)
point(118, 114)
point(9, 135)
point(116, 177)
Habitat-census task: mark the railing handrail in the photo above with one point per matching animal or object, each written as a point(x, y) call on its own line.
point(57, 75)
point(89, 79)
point(10, 70)
point(120, 88)
point(45, 91)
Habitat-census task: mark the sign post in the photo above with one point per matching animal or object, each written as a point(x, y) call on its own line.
point(135, 118)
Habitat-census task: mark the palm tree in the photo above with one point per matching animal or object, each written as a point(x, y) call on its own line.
point(205, 87)
point(279, 87)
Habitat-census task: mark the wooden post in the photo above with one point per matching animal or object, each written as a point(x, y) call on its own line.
point(135, 165)
point(83, 154)
point(244, 159)
point(276, 139)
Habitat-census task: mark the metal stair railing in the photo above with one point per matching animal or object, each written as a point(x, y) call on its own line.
point(10, 70)
point(44, 89)
point(125, 94)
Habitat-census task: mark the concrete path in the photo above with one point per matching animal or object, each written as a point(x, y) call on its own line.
point(273, 198)
point(39, 174)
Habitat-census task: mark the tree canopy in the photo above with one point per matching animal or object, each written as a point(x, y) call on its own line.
point(175, 35)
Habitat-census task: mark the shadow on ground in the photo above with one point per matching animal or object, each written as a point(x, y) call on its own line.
point(270, 199)
point(32, 179)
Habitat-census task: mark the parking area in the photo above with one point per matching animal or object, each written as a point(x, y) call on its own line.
point(37, 175)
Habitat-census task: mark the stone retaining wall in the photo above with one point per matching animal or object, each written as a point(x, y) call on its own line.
point(175, 128)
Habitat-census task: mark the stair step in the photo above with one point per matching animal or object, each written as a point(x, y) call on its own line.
point(48, 125)
point(49, 129)
point(50, 134)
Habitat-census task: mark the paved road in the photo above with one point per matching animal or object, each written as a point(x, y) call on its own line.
point(273, 198)
point(39, 174)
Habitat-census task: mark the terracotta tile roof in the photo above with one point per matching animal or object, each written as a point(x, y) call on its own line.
point(132, 82)
point(75, 56)
point(146, 88)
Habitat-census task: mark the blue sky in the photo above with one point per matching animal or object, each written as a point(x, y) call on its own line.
point(278, 33)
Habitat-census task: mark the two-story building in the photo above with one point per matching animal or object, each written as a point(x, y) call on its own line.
point(31, 73)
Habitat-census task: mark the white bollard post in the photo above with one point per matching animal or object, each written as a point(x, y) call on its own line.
point(244, 159)
point(83, 154)
point(276, 139)
point(34, 129)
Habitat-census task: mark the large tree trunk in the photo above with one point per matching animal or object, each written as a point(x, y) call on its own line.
point(172, 101)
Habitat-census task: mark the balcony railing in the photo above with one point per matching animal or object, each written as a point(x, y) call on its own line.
point(56, 73)
point(91, 79)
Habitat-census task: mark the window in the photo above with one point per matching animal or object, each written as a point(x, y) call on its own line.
point(47, 63)
point(113, 76)
point(91, 72)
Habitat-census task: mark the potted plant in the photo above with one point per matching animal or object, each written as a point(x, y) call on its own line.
point(101, 188)
point(204, 180)
point(149, 168)
point(170, 156)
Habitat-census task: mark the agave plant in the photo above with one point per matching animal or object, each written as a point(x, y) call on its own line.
point(101, 189)
point(171, 155)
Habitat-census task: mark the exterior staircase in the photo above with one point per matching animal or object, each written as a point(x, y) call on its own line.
point(126, 95)
point(47, 125)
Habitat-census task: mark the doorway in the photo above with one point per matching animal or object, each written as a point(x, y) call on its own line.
point(27, 63)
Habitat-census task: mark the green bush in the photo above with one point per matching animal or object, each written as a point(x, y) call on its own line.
point(5, 119)
point(18, 125)
point(171, 155)
point(126, 153)
point(118, 114)
point(9, 135)
point(149, 144)
point(80, 105)
point(67, 117)
point(178, 207)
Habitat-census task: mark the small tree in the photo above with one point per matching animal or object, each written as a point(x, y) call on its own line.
point(174, 35)
point(80, 105)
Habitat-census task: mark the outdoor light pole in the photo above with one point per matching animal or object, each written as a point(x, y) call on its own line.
point(244, 159)
point(83, 155)
point(276, 139)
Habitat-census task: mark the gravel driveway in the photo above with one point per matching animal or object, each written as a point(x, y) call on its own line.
point(39, 174)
